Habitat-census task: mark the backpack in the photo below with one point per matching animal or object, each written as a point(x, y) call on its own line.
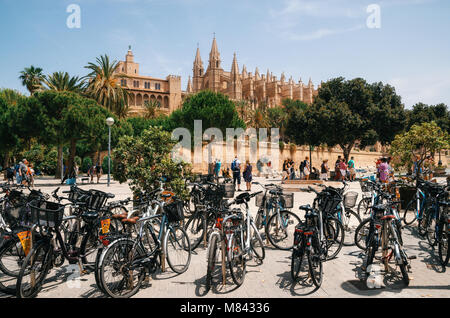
point(234, 166)
point(302, 166)
point(9, 173)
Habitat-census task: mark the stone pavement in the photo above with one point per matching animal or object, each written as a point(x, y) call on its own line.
point(272, 278)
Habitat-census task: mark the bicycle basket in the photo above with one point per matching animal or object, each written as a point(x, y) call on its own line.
point(75, 193)
point(96, 200)
point(350, 199)
point(365, 186)
point(228, 190)
point(287, 200)
point(259, 200)
point(174, 211)
point(46, 213)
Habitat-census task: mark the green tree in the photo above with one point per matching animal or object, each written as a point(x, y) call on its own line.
point(32, 78)
point(421, 140)
point(61, 81)
point(8, 136)
point(145, 159)
point(213, 109)
point(151, 108)
point(104, 86)
point(345, 112)
point(422, 113)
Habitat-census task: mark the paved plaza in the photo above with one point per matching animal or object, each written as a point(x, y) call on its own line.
point(272, 278)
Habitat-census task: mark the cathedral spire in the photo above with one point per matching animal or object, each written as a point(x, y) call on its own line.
point(244, 72)
point(310, 83)
point(268, 78)
point(234, 66)
point(214, 55)
point(257, 76)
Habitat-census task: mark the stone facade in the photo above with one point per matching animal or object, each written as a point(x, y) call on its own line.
point(144, 88)
point(258, 90)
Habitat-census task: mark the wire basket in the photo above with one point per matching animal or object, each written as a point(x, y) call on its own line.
point(350, 199)
point(287, 200)
point(75, 194)
point(96, 199)
point(259, 198)
point(46, 213)
point(174, 211)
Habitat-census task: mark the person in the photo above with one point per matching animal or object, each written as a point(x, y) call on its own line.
point(23, 171)
point(337, 169)
point(343, 169)
point(324, 170)
point(98, 171)
point(236, 168)
point(91, 172)
point(292, 170)
point(383, 170)
point(30, 175)
point(416, 167)
point(269, 169)
point(306, 168)
point(17, 173)
point(351, 168)
point(10, 173)
point(259, 167)
point(429, 165)
point(217, 168)
point(285, 169)
point(247, 174)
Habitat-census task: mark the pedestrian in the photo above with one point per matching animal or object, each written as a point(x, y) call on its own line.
point(98, 171)
point(217, 168)
point(269, 168)
point(236, 168)
point(383, 170)
point(30, 175)
point(17, 173)
point(324, 170)
point(343, 169)
point(285, 170)
point(247, 174)
point(292, 170)
point(351, 169)
point(23, 171)
point(337, 170)
point(306, 168)
point(91, 172)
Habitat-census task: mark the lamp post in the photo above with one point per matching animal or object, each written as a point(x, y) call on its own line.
point(109, 122)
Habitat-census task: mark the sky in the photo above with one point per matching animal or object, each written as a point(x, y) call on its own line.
point(407, 45)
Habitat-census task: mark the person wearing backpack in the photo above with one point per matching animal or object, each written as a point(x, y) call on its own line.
point(301, 169)
point(236, 168)
point(10, 175)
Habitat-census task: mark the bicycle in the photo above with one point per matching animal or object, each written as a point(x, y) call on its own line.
point(126, 261)
point(278, 222)
point(443, 234)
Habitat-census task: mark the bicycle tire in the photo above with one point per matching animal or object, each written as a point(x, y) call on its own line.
point(89, 244)
point(180, 242)
point(296, 261)
point(361, 233)
point(287, 234)
point(8, 281)
point(443, 250)
point(405, 276)
point(349, 228)
point(314, 261)
point(236, 260)
point(410, 210)
point(431, 229)
point(363, 206)
point(195, 225)
point(423, 224)
point(334, 236)
point(96, 270)
point(31, 260)
point(119, 250)
point(212, 257)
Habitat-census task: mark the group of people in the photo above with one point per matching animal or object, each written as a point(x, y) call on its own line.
point(343, 170)
point(246, 173)
point(23, 172)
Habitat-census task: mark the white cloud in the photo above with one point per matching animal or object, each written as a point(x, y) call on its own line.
point(320, 33)
point(429, 89)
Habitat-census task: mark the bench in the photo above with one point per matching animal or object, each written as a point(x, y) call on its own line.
point(85, 179)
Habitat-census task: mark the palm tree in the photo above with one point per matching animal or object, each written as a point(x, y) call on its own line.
point(151, 108)
point(61, 81)
point(104, 86)
point(32, 78)
point(257, 118)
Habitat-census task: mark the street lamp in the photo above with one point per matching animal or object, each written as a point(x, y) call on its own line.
point(109, 122)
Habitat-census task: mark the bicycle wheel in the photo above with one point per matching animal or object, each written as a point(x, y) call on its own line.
point(296, 261)
point(11, 259)
point(34, 270)
point(443, 251)
point(361, 233)
point(257, 244)
point(117, 278)
point(315, 267)
point(195, 228)
point(236, 260)
point(363, 206)
point(351, 221)
point(89, 245)
point(280, 229)
point(404, 272)
point(177, 249)
point(334, 237)
point(410, 214)
point(212, 260)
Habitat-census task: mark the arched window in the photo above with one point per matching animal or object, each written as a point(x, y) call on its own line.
point(166, 102)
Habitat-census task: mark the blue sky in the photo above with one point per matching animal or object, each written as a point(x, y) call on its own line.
point(320, 39)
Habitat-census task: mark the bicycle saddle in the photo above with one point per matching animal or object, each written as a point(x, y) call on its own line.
point(119, 216)
point(90, 215)
point(305, 207)
point(132, 220)
point(243, 197)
